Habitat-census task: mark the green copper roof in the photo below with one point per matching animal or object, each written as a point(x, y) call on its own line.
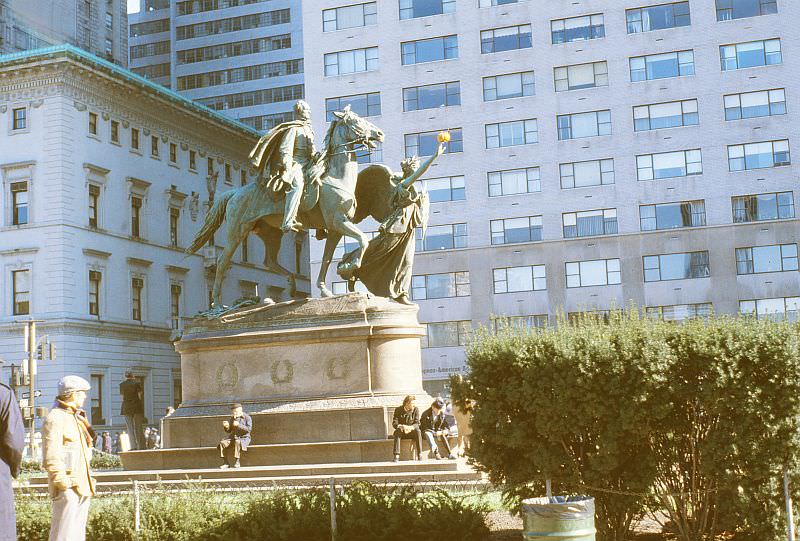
point(69, 51)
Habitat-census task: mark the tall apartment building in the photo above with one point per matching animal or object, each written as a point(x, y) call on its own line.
point(105, 178)
point(240, 57)
point(602, 153)
point(97, 26)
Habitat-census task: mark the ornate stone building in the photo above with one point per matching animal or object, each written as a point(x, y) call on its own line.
point(105, 179)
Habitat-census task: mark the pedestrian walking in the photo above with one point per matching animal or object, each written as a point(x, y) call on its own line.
point(68, 439)
point(12, 443)
point(133, 410)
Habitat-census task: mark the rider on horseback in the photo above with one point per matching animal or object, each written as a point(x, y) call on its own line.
point(285, 157)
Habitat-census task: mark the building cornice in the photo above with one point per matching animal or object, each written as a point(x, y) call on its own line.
point(96, 253)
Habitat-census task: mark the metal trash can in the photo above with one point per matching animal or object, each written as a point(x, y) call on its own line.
point(559, 518)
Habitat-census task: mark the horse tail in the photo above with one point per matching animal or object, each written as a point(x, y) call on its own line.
point(213, 220)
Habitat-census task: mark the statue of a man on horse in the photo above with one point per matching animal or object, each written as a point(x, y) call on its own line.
point(301, 189)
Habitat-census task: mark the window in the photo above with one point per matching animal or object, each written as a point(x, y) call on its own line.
point(680, 312)
point(235, 48)
point(19, 203)
point(228, 176)
point(681, 163)
point(94, 292)
point(445, 189)
point(348, 244)
point(519, 323)
point(773, 258)
point(588, 173)
point(137, 285)
point(210, 166)
point(513, 230)
point(662, 66)
point(93, 123)
point(115, 131)
point(149, 27)
point(750, 54)
point(134, 139)
point(245, 246)
point(149, 49)
point(192, 160)
point(441, 237)
point(602, 316)
point(349, 16)
point(363, 105)
point(370, 155)
point(758, 155)
point(778, 309)
point(173, 153)
point(154, 146)
point(232, 24)
point(96, 401)
point(659, 17)
point(672, 215)
point(512, 85)
point(243, 177)
point(681, 266)
point(490, 3)
point(672, 114)
point(175, 305)
point(136, 215)
point(21, 292)
point(94, 205)
point(577, 29)
point(19, 118)
point(516, 279)
point(755, 104)
point(514, 181)
point(253, 72)
point(761, 207)
point(416, 98)
point(728, 10)
point(426, 143)
point(429, 50)
point(589, 223)
point(599, 272)
point(579, 76)
point(507, 38)
point(446, 334)
point(411, 9)
point(579, 125)
point(509, 134)
point(440, 286)
point(174, 222)
point(355, 61)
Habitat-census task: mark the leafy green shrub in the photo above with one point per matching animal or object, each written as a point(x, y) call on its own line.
point(105, 461)
point(630, 409)
point(33, 517)
point(183, 516)
point(282, 516)
point(111, 518)
point(31, 466)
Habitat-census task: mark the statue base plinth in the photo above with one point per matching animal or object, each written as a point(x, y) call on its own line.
point(319, 377)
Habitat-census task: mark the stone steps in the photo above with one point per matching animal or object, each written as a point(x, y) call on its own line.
point(328, 452)
point(440, 472)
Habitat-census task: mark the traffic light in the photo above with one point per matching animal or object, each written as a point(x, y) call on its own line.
point(40, 352)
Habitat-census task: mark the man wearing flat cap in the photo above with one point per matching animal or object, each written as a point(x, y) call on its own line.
point(238, 426)
point(434, 426)
point(68, 440)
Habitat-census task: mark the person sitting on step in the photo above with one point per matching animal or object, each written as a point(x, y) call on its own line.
point(434, 425)
point(239, 428)
point(406, 426)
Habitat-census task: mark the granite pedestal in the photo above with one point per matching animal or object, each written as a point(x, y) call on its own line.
point(320, 378)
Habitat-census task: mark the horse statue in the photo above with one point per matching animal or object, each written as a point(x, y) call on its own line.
point(329, 205)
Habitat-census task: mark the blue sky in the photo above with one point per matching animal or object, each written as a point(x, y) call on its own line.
point(133, 6)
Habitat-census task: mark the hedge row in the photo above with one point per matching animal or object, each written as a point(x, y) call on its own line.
point(364, 512)
point(697, 419)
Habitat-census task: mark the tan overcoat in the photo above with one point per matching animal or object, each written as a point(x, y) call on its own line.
point(67, 453)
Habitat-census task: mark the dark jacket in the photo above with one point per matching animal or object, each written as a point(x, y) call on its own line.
point(429, 421)
point(12, 442)
point(403, 417)
point(131, 391)
point(242, 432)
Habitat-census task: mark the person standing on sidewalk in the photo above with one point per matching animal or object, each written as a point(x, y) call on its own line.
point(68, 439)
point(133, 410)
point(12, 443)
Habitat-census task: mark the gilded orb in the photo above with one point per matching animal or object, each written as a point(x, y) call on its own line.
point(444, 137)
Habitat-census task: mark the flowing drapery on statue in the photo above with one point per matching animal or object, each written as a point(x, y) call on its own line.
point(388, 260)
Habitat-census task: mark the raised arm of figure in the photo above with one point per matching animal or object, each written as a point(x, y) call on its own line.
point(422, 168)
